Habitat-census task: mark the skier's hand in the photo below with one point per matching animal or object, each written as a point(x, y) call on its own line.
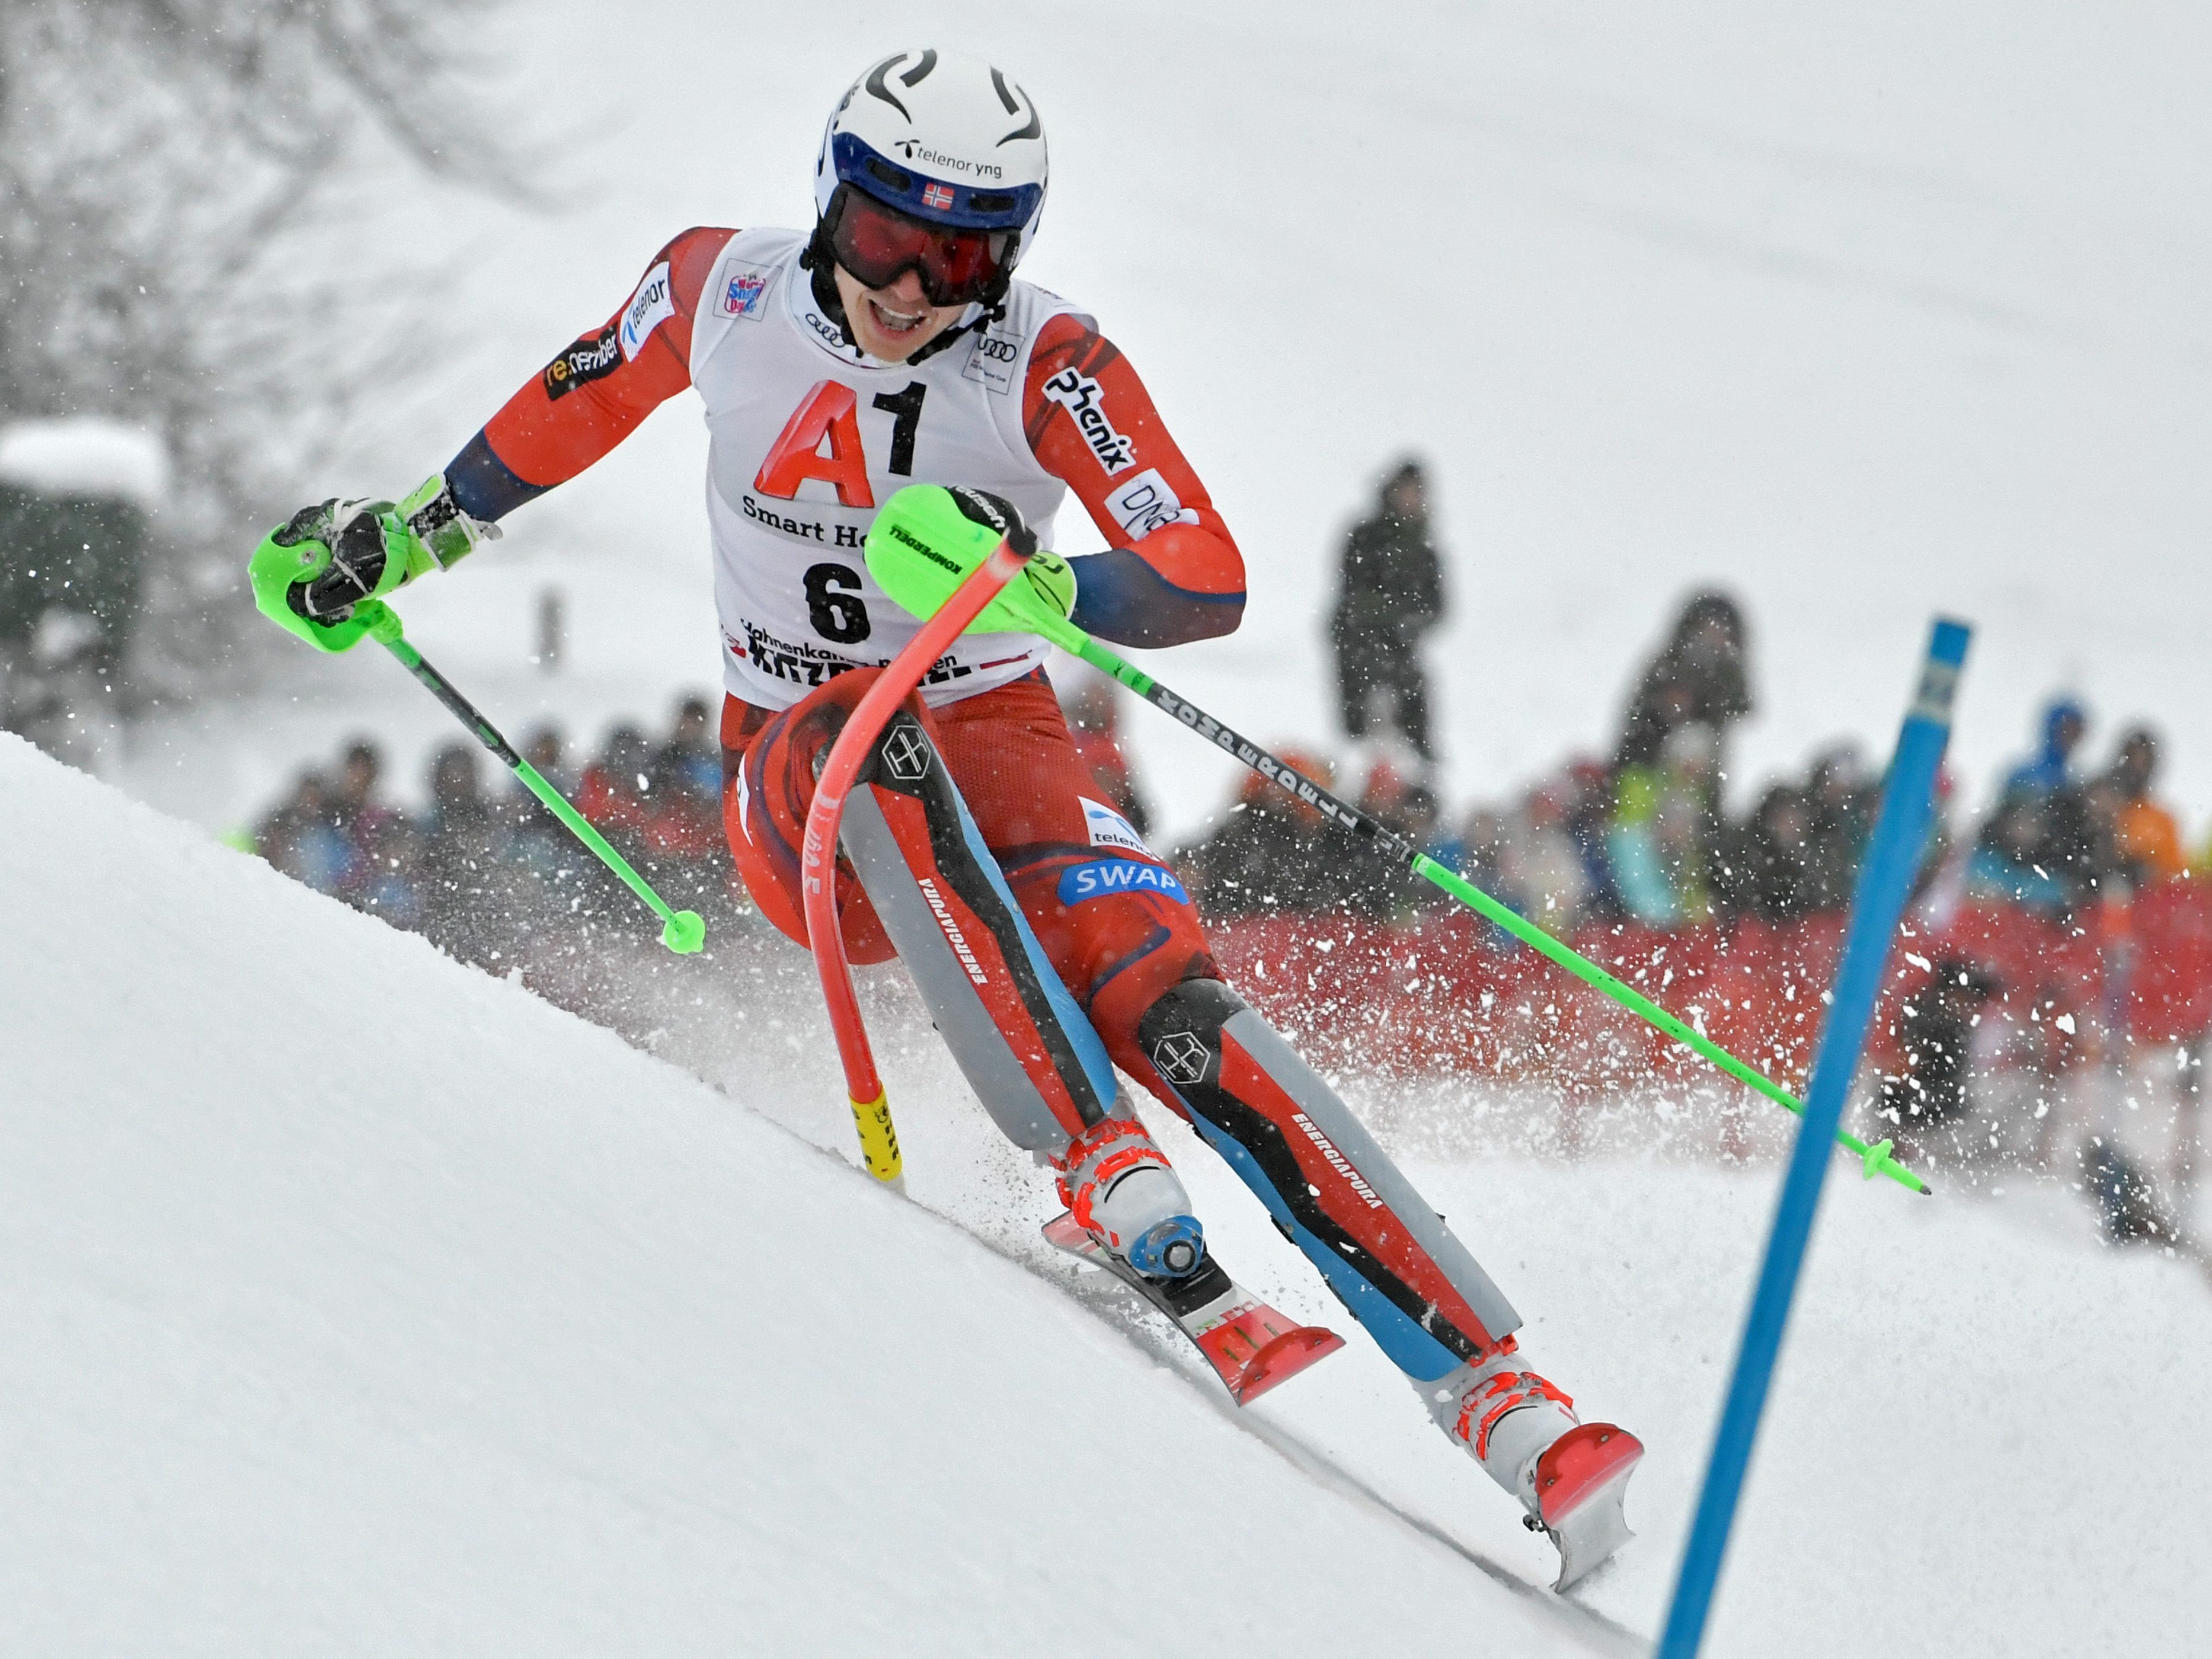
point(1048, 574)
point(314, 575)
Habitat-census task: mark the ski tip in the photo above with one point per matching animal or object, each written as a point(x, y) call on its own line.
point(1282, 1359)
point(1580, 1465)
point(1581, 1481)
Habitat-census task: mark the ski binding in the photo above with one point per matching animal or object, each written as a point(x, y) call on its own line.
point(1251, 1348)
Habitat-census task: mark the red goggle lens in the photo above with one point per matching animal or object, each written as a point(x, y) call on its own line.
point(876, 243)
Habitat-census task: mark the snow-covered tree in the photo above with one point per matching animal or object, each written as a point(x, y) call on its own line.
point(181, 246)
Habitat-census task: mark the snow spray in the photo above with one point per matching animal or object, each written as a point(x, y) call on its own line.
point(921, 587)
point(682, 931)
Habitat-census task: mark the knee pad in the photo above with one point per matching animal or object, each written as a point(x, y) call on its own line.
point(764, 807)
point(1331, 1189)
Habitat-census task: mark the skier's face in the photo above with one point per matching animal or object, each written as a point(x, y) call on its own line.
point(892, 323)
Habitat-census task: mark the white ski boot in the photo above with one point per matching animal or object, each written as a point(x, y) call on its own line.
point(1571, 1476)
point(1117, 1184)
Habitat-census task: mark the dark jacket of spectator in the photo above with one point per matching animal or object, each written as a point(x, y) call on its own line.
point(1390, 594)
point(1840, 805)
point(1936, 1028)
point(1698, 679)
point(1272, 854)
point(1763, 859)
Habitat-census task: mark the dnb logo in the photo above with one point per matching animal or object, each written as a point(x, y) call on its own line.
point(906, 754)
point(1106, 876)
point(1181, 1057)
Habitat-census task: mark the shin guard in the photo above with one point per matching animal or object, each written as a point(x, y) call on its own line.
point(1331, 1188)
point(1015, 1032)
point(1026, 1049)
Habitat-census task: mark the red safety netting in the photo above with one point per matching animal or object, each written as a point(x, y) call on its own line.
point(1452, 995)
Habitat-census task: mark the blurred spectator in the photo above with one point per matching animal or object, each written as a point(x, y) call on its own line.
point(388, 878)
point(540, 844)
point(2045, 827)
point(1376, 883)
point(2130, 1207)
point(1476, 850)
point(612, 793)
point(1841, 803)
point(465, 889)
point(1092, 704)
point(2146, 842)
point(695, 749)
point(1661, 843)
point(1764, 864)
point(1935, 1028)
point(1589, 826)
point(302, 837)
point(1699, 677)
point(1270, 854)
point(1391, 594)
point(355, 811)
point(1538, 864)
point(683, 821)
point(2005, 865)
point(2051, 768)
point(545, 751)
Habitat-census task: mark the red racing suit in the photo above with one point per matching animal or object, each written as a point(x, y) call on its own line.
point(808, 436)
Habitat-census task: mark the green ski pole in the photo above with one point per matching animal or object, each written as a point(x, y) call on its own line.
point(921, 577)
point(682, 931)
point(1877, 1159)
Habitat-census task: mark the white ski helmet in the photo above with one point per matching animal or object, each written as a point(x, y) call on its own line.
point(943, 138)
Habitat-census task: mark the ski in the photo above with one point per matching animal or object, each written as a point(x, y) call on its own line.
point(1251, 1348)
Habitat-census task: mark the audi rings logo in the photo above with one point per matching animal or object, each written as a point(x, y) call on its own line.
point(905, 755)
point(1180, 1057)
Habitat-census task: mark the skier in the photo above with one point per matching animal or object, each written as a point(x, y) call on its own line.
point(890, 345)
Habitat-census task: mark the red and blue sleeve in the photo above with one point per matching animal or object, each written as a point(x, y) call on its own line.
point(596, 392)
point(1171, 573)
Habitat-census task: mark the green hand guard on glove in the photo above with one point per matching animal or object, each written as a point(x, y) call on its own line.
point(325, 574)
point(928, 538)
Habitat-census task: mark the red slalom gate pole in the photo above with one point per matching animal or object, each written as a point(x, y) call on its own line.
point(871, 1112)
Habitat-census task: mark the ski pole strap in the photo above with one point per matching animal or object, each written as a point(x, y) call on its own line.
point(1875, 1159)
point(682, 931)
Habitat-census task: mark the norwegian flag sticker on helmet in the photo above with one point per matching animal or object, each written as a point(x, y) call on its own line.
point(936, 195)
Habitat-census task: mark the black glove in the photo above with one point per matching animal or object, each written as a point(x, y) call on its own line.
point(354, 533)
point(982, 508)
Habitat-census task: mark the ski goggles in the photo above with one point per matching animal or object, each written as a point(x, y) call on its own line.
point(879, 243)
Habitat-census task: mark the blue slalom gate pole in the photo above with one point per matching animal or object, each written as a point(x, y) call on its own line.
point(1900, 834)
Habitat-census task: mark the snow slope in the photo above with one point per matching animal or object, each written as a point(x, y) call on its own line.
point(479, 1332)
point(1861, 315)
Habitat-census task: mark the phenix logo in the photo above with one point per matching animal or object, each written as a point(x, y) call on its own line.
point(1084, 400)
point(958, 940)
point(1337, 1160)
